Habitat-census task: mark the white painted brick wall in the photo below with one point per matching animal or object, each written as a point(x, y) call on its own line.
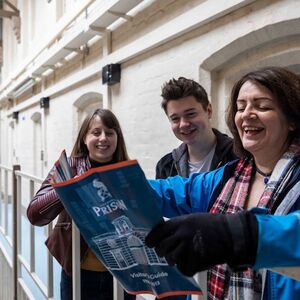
point(136, 100)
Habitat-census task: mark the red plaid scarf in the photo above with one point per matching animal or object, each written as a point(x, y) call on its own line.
point(222, 282)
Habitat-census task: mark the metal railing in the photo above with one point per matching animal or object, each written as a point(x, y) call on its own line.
point(12, 208)
point(15, 188)
point(6, 291)
point(30, 267)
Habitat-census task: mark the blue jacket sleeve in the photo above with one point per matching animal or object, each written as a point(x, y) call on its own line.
point(278, 241)
point(177, 195)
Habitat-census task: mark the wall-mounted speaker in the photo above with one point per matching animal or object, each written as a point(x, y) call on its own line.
point(44, 102)
point(15, 115)
point(111, 74)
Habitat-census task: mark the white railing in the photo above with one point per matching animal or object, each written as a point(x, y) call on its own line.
point(31, 182)
point(16, 189)
point(6, 229)
point(13, 184)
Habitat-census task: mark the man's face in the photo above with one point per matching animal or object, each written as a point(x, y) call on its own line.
point(189, 121)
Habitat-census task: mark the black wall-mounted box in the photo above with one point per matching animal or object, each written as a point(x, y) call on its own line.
point(111, 74)
point(15, 115)
point(44, 102)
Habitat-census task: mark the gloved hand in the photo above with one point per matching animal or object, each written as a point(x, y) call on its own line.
point(199, 241)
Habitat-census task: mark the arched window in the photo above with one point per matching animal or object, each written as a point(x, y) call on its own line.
point(272, 45)
point(11, 143)
point(84, 105)
point(37, 144)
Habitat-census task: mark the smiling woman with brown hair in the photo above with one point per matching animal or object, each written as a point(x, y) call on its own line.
point(99, 142)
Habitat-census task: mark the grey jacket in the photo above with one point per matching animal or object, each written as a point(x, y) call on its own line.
point(176, 162)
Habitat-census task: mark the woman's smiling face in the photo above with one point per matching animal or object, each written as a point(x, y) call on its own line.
point(101, 141)
point(262, 126)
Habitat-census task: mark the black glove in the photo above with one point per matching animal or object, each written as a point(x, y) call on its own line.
point(199, 241)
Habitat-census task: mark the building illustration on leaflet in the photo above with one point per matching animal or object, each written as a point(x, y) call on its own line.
point(125, 248)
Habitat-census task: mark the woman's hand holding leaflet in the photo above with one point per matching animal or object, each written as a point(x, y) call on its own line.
point(196, 242)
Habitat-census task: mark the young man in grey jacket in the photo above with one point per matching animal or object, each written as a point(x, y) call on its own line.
point(189, 111)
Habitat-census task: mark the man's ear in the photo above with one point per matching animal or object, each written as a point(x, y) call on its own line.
point(209, 110)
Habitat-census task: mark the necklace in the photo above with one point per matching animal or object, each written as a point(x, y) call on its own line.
point(265, 175)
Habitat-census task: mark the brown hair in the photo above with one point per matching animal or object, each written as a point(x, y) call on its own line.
point(175, 89)
point(284, 86)
point(110, 121)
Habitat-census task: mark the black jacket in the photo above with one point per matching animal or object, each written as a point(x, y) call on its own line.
point(176, 162)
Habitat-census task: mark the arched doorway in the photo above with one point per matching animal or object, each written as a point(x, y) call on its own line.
point(84, 105)
point(276, 44)
point(37, 151)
